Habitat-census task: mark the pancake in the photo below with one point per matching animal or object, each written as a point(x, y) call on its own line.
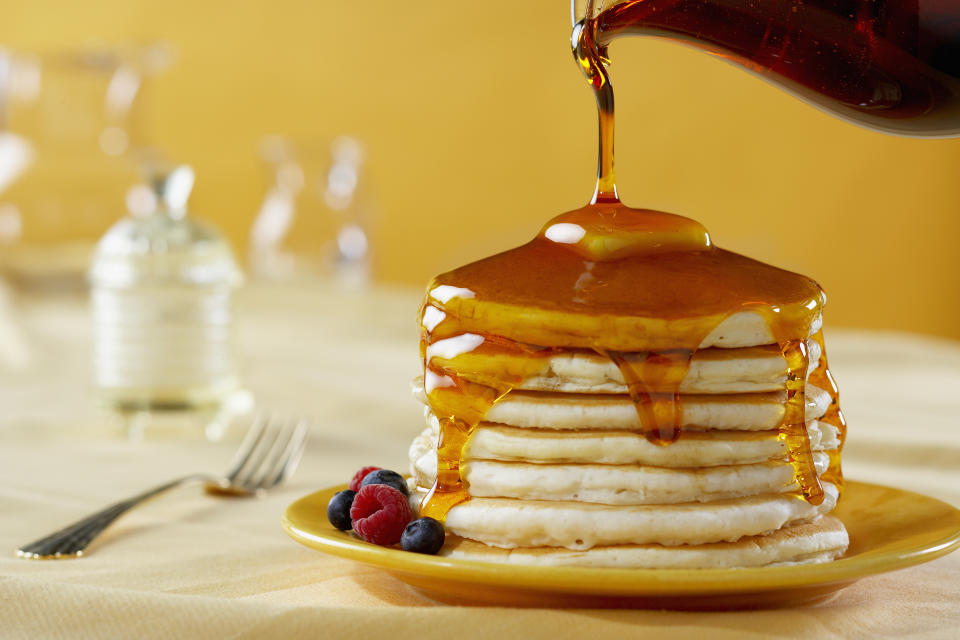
point(602, 482)
point(625, 484)
point(693, 448)
point(745, 411)
point(821, 540)
point(745, 370)
point(509, 523)
point(559, 328)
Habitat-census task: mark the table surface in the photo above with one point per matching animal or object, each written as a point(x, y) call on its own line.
point(195, 566)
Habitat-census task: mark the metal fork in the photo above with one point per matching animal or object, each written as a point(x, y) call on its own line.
point(267, 456)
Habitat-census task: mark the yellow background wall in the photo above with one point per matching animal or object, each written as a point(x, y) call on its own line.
point(479, 128)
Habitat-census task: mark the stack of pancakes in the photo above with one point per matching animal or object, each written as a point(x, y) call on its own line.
point(560, 468)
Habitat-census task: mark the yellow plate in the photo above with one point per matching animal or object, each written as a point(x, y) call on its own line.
point(889, 529)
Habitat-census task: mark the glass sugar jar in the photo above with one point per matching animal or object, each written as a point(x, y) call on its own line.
point(161, 293)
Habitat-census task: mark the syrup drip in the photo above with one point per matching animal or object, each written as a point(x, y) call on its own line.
point(793, 429)
point(461, 395)
point(653, 379)
point(459, 407)
point(823, 378)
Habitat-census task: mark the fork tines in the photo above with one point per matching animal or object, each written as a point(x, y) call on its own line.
point(269, 453)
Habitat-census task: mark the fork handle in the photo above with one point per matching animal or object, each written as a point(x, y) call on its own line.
point(71, 541)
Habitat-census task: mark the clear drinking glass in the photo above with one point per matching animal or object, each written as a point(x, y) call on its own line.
point(70, 130)
point(315, 217)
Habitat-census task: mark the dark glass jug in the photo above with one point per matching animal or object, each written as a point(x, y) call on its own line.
point(890, 65)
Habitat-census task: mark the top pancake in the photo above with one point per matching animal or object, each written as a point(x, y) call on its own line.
point(543, 294)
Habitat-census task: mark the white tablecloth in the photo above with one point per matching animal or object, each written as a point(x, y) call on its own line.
point(196, 566)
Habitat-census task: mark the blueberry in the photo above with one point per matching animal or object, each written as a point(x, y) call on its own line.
point(387, 477)
point(338, 510)
point(423, 535)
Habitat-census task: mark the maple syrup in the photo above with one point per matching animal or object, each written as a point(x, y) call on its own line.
point(547, 293)
point(643, 288)
point(822, 378)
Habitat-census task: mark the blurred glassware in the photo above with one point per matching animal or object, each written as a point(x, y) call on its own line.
point(15, 352)
point(315, 218)
point(69, 130)
point(162, 295)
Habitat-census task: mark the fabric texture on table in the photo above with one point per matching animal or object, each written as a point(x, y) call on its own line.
point(191, 565)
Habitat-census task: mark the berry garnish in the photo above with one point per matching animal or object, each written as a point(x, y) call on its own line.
point(379, 514)
point(359, 476)
point(423, 535)
point(387, 477)
point(338, 509)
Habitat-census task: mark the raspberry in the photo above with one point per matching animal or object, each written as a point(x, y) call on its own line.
point(380, 513)
point(359, 476)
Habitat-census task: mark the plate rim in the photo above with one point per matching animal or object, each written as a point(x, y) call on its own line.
point(617, 581)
